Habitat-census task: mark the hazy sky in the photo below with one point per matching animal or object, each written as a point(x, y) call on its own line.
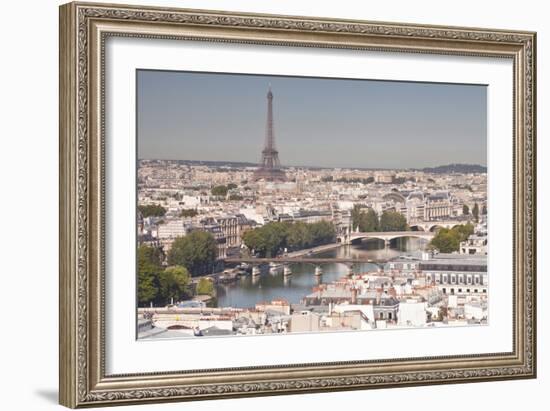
point(317, 122)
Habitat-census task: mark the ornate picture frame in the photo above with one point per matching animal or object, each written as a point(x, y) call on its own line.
point(84, 28)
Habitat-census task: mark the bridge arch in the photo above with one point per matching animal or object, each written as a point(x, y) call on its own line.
point(431, 226)
point(417, 228)
point(437, 226)
point(367, 236)
point(409, 234)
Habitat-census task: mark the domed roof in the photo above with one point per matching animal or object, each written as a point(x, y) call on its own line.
point(395, 197)
point(416, 194)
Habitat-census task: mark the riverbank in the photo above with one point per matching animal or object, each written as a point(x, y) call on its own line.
point(313, 250)
point(273, 284)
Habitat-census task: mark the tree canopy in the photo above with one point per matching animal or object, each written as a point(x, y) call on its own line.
point(174, 283)
point(273, 237)
point(188, 212)
point(365, 221)
point(149, 266)
point(157, 284)
point(447, 240)
point(220, 191)
point(475, 212)
point(152, 210)
point(368, 221)
point(196, 251)
point(393, 221)
point(205, 286)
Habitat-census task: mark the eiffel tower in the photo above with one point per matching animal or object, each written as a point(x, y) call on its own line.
point(269, 168)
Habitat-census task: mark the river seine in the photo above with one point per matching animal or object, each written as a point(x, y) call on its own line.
point(247, 291)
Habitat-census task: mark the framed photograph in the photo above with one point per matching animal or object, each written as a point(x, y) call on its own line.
point(260, 204)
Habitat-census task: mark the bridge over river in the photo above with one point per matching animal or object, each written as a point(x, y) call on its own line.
point(304, 256)
point(308, 260)
point(286, 262)
point(387, 236)
point(306, 269)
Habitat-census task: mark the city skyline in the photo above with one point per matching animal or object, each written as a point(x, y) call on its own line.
point(298, 166)
point(195, 117)
point(230, 244)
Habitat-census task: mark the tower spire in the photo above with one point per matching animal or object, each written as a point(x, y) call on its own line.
point(269, 167)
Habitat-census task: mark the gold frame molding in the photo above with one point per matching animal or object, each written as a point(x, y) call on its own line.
point(84, 27)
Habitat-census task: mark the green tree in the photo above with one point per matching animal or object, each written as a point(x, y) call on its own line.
point(188, 212)
point(174, 283)
point(254, 240)
point(465, 209)
point(355, 216)
point(475, 212)
point(322, 232)
point(196, 251)
point(231, 186)
point(269, 239)
point(220, 191)
point(298, 236)
point(149, 265)
point(205, 287)
point(152, 210)
point(366, 221)
point(464, 231)
point(393, 221)
point(369, 221)
point(274, 238)
point(448, 240)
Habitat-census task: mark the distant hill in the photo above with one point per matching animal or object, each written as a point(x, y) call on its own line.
point(456, 168)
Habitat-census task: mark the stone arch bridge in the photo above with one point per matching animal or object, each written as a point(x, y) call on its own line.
point(391, 235)
point(436, 225)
